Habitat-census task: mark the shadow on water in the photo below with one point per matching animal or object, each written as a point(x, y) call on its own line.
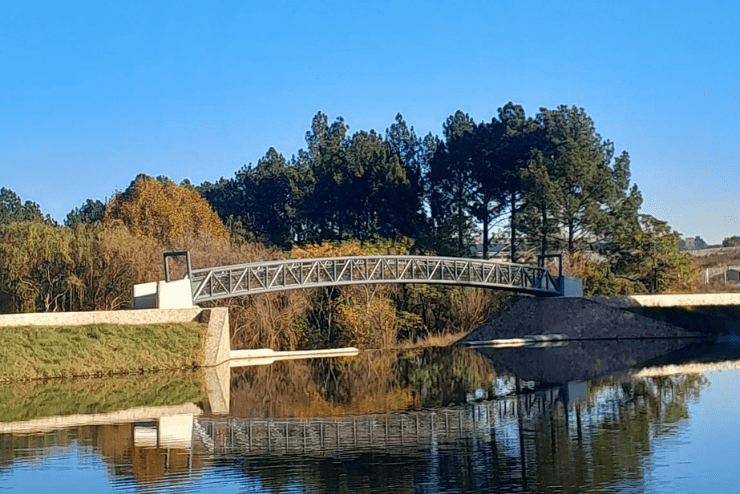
point(426, 420)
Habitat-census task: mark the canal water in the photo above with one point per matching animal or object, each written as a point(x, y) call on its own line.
point(656, 416)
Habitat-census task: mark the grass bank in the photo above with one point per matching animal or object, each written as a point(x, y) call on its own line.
point(33, 352)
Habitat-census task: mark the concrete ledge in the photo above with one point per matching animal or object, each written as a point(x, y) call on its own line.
point(678, 300)
point(266, 356)
point(142, 316)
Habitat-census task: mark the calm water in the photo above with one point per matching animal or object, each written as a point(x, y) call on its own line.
point(654, 416)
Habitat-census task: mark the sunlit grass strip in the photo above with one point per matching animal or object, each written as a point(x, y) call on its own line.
point(33, 352)
point(22, 401)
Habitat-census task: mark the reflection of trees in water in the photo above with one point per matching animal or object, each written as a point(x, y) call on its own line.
point(373, 382)
point(604, 439)
point(442, 377)
point(597, 442)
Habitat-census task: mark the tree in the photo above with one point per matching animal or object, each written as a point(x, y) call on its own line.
point(483, 146)
point(12, 209)
point(540, 223)
point(731, 241)
point(161, 209)
point(275, 198)
point(655, 260)
point(376, 188)
point(579, 167)
point(324, 203)
point(451, 182)
point(36, 266)
point(521, 135)
point(89, 213)
point(414, 159)
point(619, 220)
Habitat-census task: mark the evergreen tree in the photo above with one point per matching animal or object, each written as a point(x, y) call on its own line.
point(324, 205)
point(375, 184)
point(579, 166)
point(412, 156)
point(451, 182)
point(274, 207)
point(484, 155)
point(13, 209)
point(90, 212)
point(520, 136)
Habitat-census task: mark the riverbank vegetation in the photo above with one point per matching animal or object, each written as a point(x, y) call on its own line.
point(512, 188)
point(34, 352)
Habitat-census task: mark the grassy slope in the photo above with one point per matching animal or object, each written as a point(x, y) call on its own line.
point(37, 352)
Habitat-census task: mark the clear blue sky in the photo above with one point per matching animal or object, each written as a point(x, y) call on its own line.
point(93, 93)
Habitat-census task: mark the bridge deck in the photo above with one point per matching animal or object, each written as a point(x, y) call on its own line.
point(261, 277)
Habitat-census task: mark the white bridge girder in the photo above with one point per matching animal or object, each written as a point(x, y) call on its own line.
point(262, 277)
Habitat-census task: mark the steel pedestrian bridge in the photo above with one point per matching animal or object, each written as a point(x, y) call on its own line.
point(270, 276)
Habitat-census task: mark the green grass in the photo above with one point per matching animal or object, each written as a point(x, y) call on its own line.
point(33, 352)
point(21, 401)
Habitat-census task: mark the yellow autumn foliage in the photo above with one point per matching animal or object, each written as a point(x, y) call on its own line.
point(351, 248)
point(163, 210)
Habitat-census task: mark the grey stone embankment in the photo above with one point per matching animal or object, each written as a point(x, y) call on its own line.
point(578, 318)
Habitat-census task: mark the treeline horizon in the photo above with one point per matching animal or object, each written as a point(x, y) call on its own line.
point(543, 184)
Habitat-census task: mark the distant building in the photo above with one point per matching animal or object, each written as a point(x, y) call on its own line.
point(494, 249)
point(692, 243)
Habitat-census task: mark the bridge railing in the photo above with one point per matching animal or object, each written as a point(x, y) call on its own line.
point(261, 277)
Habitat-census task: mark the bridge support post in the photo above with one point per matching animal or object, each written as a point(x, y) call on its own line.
point(571, 287)
point(163, 295)
point(166, 294)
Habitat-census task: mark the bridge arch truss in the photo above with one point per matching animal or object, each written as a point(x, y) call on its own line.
point(270, 276)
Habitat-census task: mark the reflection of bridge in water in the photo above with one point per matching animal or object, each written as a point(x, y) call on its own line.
point(328, 436)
